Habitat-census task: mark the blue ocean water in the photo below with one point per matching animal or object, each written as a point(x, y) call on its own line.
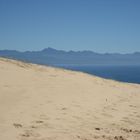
point(130, 74)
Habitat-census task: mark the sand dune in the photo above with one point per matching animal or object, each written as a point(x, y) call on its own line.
point(44, 103)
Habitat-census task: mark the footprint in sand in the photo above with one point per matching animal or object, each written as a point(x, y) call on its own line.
point(109, 137)
point(98, 128)
point(127, 130)
point(133, 106)
point(39, 121)
point(119, 138)
point(17, 125)
point(30, 133)
point(64, 108)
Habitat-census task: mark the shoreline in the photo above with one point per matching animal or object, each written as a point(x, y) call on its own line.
point(67, 69)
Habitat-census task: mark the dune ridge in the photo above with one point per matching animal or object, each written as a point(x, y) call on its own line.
point(45, 103)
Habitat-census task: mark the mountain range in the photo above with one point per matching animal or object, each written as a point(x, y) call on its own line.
point(53, 57)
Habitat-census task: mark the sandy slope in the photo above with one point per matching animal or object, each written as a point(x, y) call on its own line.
point(44, 103)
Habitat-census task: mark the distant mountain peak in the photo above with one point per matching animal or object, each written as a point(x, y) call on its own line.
point(48, 49)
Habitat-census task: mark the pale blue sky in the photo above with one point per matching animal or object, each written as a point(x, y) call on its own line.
point(97, 25)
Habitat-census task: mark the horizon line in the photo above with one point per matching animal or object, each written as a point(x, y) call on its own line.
point(67, 51)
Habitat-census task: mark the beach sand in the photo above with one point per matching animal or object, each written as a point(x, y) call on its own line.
point(46, 103)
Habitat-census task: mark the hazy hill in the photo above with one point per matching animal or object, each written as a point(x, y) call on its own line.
point(52, 56)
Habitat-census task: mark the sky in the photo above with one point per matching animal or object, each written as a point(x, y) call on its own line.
point(97, 25)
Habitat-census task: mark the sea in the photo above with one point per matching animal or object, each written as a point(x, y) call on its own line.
point(129, 74)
